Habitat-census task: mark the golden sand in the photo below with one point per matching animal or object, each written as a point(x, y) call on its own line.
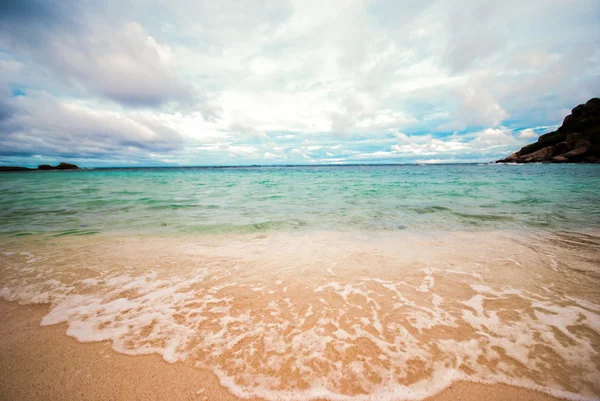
point(42, 363)
point(299, 316)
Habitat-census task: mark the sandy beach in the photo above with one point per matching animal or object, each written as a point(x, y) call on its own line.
point(408, 316)
point(43, 363)
point(289, 200)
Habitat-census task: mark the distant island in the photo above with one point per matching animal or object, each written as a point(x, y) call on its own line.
point(61, 166)
point(576, 141)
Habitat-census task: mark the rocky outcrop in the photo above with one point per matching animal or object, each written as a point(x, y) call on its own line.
point(538, 155)
point(576, 141)
point(61, 166)
point(45, 167)
point(67, 166)
point(13, 168)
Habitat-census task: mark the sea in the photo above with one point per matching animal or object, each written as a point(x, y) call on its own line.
point(367, 282)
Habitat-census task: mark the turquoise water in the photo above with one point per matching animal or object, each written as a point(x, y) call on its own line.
point(222, 200)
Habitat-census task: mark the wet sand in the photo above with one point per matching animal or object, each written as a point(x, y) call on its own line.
point(350, 316)
point(43, 363)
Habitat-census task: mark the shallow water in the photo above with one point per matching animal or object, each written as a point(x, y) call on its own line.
point(267, 199)
point(351, 283)
point(344, 315)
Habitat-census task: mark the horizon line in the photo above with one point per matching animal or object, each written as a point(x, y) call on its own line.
point(262, 165)
point(289, 165)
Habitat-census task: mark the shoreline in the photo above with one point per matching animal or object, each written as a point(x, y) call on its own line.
point(42, 362)
point(339, 315)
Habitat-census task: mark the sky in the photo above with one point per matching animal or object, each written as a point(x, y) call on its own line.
point(241, 82)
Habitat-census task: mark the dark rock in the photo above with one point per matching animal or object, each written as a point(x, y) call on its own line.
point(592, 107)
point(572, 138)
point(578, 151)
point(13, 168)
point(561, 148)
point(560, 159)
point(577, 140)
point(544, 137)
point(582, 143)
point(61, 166)
point(66, 166)
point(510, 159)
point(568, 123)
point(577, 111)
point(537, 156)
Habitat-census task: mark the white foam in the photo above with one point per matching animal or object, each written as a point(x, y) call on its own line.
point(249, 328)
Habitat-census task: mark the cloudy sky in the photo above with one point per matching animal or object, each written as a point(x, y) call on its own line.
point(235, 82)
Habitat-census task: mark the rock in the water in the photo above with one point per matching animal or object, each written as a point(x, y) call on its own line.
point(576, 141)
point(61, 166)
point(13, 168)
point(537, 156)
point(66, 166)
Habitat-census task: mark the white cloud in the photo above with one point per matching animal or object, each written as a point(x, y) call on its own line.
point(484, 142)
point(528, 134)
point(239, 80)
point(122, 63)
point(477, 105)
point(42, 124)
point(427, 145)
point(491, 137)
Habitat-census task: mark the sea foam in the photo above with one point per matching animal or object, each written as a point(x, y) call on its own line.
point(402, 317)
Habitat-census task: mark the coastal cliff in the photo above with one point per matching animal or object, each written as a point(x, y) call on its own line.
point(576, 141)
